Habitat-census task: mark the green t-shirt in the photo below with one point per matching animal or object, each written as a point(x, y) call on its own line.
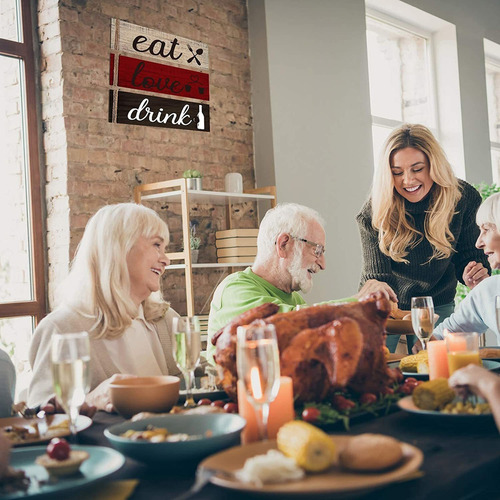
point(242, 291)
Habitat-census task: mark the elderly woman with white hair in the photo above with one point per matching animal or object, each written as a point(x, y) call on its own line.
point(476, 313)
point(112, 292)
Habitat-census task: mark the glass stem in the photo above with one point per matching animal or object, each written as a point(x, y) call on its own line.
point(188, 377)
point(263, 421)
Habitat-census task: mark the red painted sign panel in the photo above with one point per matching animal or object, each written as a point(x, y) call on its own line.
point(146, 75)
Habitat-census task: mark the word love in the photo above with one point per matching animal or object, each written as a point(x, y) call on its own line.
point(137, 109)
point(128, 37)
point(159, 78)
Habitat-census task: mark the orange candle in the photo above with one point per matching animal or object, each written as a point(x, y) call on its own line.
point(438, 359)
point(280, 411)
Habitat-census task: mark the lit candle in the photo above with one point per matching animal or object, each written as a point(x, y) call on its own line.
point(438, 359)
point(280, 411)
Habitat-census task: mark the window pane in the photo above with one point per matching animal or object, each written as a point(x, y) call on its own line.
point(495, 162)
point(9, 20)
point(493, 94)
point(15, 269)
point(15, 336)
point(399, 72)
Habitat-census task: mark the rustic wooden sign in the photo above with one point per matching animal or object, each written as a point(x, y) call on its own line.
point(152, 111)
point(153, 44)
point(143, 75)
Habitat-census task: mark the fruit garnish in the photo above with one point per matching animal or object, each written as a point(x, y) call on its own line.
point(58, 449)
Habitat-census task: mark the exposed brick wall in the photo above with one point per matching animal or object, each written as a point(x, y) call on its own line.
point(91, 162)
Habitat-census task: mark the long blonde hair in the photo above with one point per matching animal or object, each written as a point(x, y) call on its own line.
point(396, 233)
point(98, 283)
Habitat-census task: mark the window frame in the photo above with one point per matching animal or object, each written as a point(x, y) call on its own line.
point(25, 51)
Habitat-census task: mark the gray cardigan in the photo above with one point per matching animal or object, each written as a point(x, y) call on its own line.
point(66, 320)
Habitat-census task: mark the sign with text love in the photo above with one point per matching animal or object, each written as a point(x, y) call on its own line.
point(145, 42)
point(140, 74)
point(152, 111)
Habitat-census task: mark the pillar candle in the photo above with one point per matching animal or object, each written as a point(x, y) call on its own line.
point(438, 359)
point(280, 411)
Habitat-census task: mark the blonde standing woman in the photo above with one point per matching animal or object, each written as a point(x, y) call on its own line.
point(112, 292)
point(418, 228)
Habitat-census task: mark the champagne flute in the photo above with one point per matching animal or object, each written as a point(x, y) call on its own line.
point(422, 318)
point(187, 348)
point(258, 366)
point(497, 310)
point(70, 357)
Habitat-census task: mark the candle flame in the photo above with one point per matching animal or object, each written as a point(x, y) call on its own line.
point(255, 383)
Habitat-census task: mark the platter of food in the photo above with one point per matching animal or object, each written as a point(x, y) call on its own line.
point(334, 480)
point(35, 482)
point(407, 404)
point(21, 431)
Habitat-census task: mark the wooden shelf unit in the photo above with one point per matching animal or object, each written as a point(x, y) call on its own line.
point(176, 190)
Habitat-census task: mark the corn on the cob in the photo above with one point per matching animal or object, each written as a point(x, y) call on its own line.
point(422, 366)
point(310, 447)
point(409, 363)
point(433, 395)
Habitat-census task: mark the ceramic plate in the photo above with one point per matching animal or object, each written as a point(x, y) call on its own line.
point(57, 427)
point(487, 363)
point(334, 480)
point(408, 405)
point(101, 463)
point(399, 326)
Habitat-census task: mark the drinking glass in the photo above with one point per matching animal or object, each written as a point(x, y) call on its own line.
point(463, 349)
point(70, 357)
point(258, 364)
point(187, 347)
point(422, 318)
point(497, 310)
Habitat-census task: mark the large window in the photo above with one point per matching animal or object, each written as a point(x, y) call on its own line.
point(400, 75)
point(493, 93)
point(22, 284)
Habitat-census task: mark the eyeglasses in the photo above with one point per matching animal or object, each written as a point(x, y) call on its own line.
point(319, 250)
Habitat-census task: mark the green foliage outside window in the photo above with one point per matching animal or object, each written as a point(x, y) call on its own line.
point(485, 190)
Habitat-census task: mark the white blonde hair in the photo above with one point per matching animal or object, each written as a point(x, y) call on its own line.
point(290, 218)
point(396, 233)
point(98, 282)
point(489, 211)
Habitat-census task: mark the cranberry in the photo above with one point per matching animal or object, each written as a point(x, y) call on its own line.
point(218, 403)
point(231, 408)
point(58, 449)
point(204, 402)
point(311, 415)
point(367, 398)
point(342, 403)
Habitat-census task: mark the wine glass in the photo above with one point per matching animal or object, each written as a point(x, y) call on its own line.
point(422, 318)
point(187, 347)
point(258, 366)
point(70, 358)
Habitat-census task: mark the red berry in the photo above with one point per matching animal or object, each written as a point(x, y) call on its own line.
point(367, 398)
point(311, 415)
point(387, 390)
point(231, 408)
point(406, 389)
point(218, 403)
point(342, 403)
point(204, 402)
point(58, 449)
point(410, 380)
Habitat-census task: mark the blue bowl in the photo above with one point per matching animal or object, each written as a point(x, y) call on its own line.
point(224, 430)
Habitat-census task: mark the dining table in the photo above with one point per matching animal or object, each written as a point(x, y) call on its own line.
point(461, 460)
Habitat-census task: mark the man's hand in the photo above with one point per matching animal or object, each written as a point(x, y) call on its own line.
point(474, 273)
point(53, 406)
point(372, 286)
point(100, 397)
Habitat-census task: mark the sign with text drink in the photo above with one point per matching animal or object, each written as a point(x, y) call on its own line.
point(139, 109)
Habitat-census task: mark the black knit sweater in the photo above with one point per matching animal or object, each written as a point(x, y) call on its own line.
point(437, 278)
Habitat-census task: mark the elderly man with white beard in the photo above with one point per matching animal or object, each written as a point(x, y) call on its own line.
point(290, 250)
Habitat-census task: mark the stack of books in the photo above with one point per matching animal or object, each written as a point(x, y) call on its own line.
point(236, 245)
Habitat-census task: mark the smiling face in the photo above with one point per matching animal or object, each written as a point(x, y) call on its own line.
point(305, 263)
point(489, 242)
point(411, 173)
point(146, 262)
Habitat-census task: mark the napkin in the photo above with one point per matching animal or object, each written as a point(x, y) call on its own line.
point(113, 490)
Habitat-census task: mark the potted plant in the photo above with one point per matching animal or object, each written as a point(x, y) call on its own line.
point(193, 179)
point(194, 244)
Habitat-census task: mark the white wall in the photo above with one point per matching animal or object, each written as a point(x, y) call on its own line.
point(312, 113)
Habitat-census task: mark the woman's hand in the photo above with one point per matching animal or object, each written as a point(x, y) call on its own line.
point(100, 397)
point(475, 379)
point(474, 273)
point(372, 286)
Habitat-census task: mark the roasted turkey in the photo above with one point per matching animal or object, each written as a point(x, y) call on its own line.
point(322, 348)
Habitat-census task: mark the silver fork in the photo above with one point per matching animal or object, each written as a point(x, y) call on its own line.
point(202, 478)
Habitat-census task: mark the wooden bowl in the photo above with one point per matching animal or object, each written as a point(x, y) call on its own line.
point(155, 394)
